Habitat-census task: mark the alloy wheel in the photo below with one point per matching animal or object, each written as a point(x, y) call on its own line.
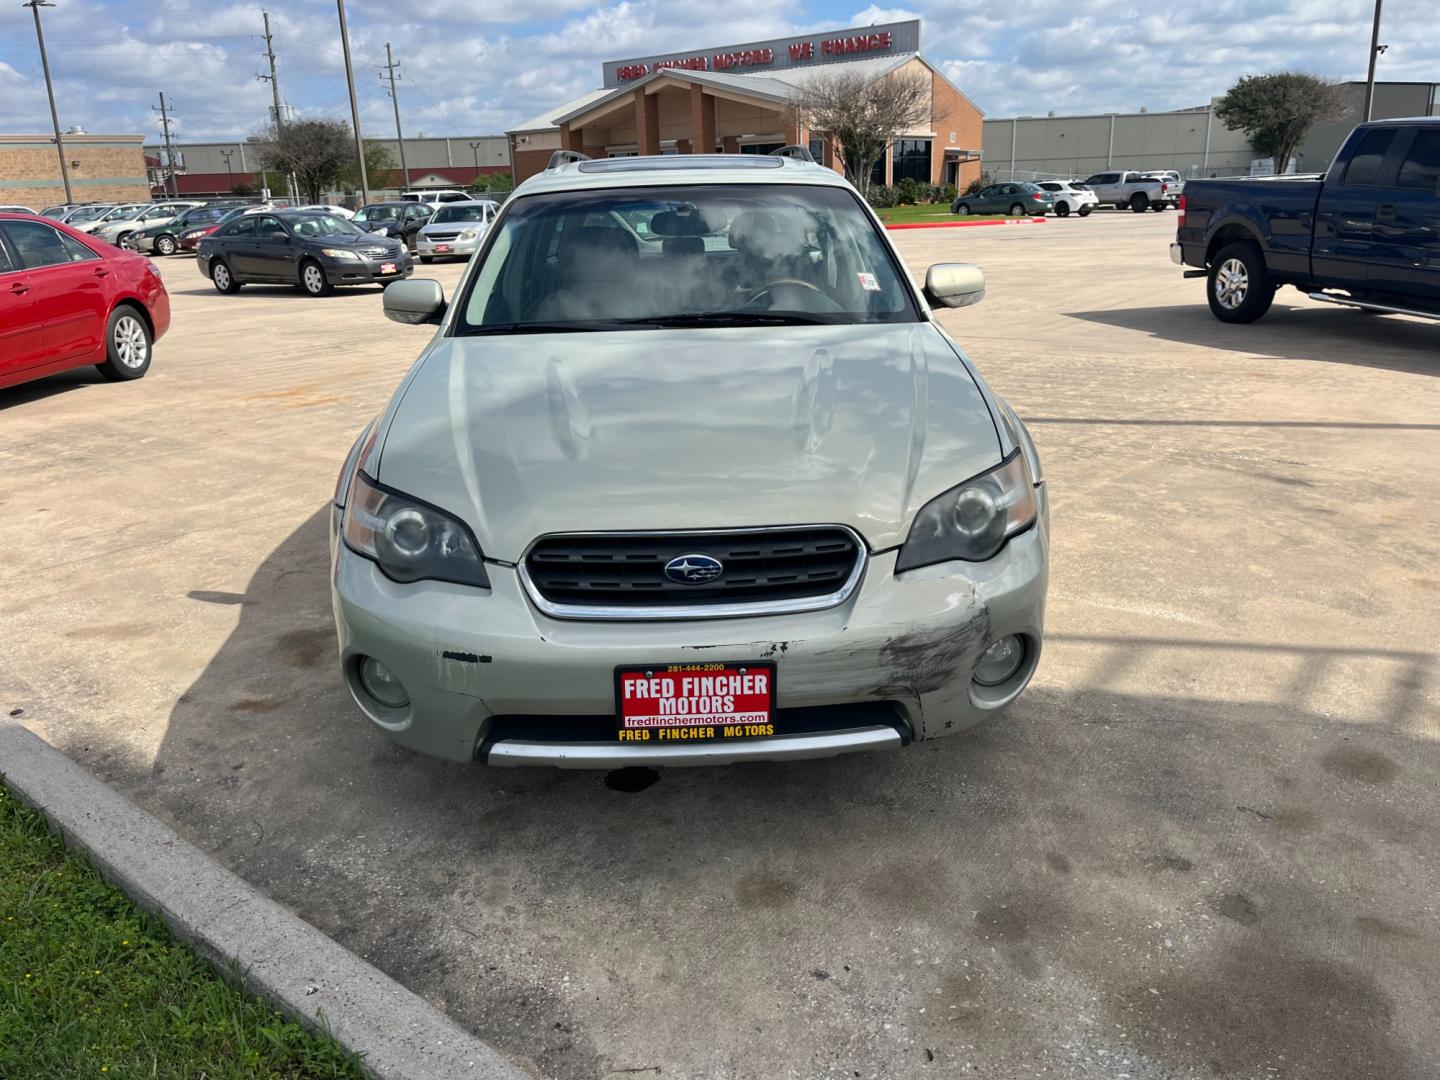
point(314, 279)
point(1232, 284)
point(130, 346)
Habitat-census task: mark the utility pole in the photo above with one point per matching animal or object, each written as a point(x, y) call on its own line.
point(171, 185)
point(354, 104)
point(274, 81)
point(35, 6)
point(390, 66)
point(229, 172)
point(1375, 50)
point(475, 146)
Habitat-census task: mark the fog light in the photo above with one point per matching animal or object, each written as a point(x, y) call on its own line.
point(1001, 661)
point(382, 684)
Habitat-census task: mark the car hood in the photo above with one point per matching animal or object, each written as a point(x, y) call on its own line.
point(523, 435)
point(451, 226)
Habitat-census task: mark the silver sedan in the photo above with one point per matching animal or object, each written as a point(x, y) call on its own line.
point(455, 231)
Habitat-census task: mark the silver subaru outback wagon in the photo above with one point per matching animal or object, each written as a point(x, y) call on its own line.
point(689, 474)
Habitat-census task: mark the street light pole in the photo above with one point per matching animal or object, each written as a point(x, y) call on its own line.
point(1375, 48)
point(354, 105)
point(35, 6)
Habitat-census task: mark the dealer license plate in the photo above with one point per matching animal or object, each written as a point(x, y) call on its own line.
point(387, 268)
point(665, 703)
point(442, 247)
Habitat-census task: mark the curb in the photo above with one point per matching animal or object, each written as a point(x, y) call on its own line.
point(283, 958)
point(967, 224)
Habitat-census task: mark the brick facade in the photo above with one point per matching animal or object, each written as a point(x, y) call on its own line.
point(103, 168)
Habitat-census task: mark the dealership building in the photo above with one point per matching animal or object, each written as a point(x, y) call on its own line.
point(741, 99)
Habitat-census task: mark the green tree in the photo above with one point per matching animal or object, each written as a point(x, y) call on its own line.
point(1276, 112)
point(314, 151)
point(501, 183)
point(381, 169)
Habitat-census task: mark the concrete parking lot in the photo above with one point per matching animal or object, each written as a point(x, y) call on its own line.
point(1205, 843)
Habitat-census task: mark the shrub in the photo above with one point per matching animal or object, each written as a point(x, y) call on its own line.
point(908, 191)
point(984, 180)
point(882, 196)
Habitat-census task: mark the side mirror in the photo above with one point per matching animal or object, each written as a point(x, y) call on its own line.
point(953, 285)
point(415, 302)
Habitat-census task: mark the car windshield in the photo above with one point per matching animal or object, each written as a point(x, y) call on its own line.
point(459, 212)
point(323, 224)
point(203, 215)
point(379, 213)
point(643, 258)
point(121, 213)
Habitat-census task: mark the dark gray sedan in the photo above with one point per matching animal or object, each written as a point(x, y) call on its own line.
point(313, 250)
point(1016, 199)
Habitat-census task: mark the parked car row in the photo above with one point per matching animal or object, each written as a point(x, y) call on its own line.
point(1023, 198)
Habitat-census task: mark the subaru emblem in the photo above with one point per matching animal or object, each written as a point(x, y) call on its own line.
point(693, 569)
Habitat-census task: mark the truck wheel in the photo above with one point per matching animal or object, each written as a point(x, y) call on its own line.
point(1239, 287)
point(1139, 202)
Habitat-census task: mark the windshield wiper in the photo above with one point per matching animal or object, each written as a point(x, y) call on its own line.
point(729, 318)
point(543, 327)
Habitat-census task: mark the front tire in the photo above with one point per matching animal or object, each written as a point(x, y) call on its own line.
point(128, 346)
point(1238, 286)
point(963, 209)
point(1139, 203)
point(1062, 209)
point(165, 245)
point(223, 279)
point(313, 279)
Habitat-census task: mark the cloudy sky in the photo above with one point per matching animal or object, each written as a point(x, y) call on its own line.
point(479, 66)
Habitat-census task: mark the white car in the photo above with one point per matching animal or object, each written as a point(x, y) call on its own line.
point(1071, 197)
point(16, 210)
point(720, 490)
point(329, 208)
point(436, 197)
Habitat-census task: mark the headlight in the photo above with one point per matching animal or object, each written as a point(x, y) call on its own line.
point(972, 521)
point(340, 253)
point(409, 540)
point(470, 234)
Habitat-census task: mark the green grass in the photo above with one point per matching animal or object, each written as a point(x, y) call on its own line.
point(927, 213)
point(90, 986)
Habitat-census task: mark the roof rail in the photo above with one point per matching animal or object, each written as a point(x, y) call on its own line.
point(798, 152)
point(564, 157)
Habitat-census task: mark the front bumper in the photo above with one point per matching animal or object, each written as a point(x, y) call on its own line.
point(453, 248)
point(367, 270)
point(485, 668)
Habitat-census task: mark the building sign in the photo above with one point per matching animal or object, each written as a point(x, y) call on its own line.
point(804, 51)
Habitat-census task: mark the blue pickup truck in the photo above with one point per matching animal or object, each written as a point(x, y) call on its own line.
point(1366, 234)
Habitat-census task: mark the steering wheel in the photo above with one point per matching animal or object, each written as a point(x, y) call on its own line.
point(783, 283)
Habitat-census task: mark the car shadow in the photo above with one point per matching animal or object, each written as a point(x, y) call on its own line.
point(1324, 334)
point(61, 382)
point(1216, 886)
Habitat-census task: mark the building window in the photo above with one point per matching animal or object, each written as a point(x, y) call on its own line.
point(760, 148)
point(912, 159)
point(817, 150)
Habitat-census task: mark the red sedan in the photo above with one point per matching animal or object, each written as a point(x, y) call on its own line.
point(68, 299)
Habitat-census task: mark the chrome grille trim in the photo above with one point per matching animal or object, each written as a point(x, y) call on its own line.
point(634, 613)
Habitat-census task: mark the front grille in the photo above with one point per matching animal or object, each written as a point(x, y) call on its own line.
point(441, 237)
point(377, 252)
point(624, 572)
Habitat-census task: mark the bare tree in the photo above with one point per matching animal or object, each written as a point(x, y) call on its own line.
point(315, 151)
point(861, 117)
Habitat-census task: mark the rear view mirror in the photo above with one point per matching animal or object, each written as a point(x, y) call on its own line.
point(415, 302)
point(953, 285)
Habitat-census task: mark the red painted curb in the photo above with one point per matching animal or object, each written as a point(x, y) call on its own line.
point(966, 224)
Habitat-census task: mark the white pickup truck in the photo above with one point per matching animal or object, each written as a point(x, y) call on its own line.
point(1132, 190)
